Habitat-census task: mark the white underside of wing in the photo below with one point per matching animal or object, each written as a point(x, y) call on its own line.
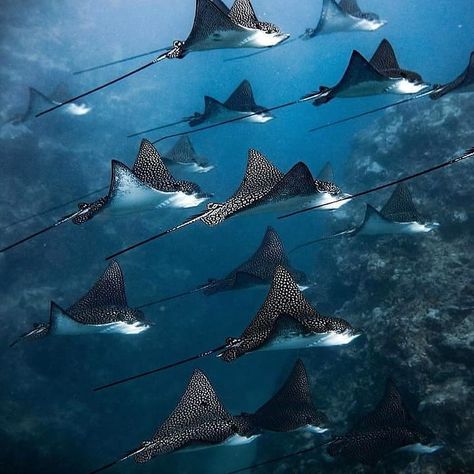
point(297, 341)
point(66, 326)
point(384, 227)
point(242, 38)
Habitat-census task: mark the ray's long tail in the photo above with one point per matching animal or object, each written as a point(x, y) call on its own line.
point(119, 61)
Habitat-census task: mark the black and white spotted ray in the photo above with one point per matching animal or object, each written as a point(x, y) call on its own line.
point(385, 61)
point(183, 152)
point(148, 173)
point(360, 78)
point(257, 270)
point(292, 407)
point(389, 427)
point(97, 311)
point(198, 420)
point(214, 27)
point(344, 16)
point(390, 411)
point(369, 447)
point(400, 206)
point(108, 291)
point(241, 103)
point(398, 209)
point(285, 307)
point(263, 186)
point(463, 83)
point(382, 74)
point(149, 179)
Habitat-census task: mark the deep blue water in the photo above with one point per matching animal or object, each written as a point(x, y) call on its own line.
point(50, 421)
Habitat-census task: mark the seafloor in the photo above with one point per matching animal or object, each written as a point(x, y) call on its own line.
point(413, 297)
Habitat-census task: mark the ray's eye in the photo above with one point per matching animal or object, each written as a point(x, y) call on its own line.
point(204, 403)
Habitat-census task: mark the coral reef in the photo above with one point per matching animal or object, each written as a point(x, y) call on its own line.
point(412, 296)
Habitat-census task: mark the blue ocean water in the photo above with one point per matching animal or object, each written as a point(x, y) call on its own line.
point(50, 421)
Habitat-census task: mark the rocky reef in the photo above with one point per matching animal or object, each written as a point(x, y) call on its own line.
point(413, 296)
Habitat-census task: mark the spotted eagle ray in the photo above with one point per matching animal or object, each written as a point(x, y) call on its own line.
point(241, 103)
point(147, 185)
point(343, 16)
point(291, 408)
point(38, 101)
point(199, 420)
point(382, 74)
point(183, 154)
point(388, 428)
point(398, 216)
point(463, 83)
point(264, 188)
point(469, 153)
point(256, 270)
point(284, 321)
point(102, 310)
point(215, 27)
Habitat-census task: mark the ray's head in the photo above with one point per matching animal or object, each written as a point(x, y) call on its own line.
point(269, 34)
point(339, 332)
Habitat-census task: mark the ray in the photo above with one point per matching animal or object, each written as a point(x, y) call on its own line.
point(398, 216)
point(182, 153)
point(102, 310)
point(466, 155)
point(199, 420)
point(148, 185)
point(381, 75)
point(284, 303)
point(345, 16)
point(241, 103)
point(232, 120)
point(119, 61)
point(264, 188)
point(214, 27)
point(291, 408)
point(387, 428)
point(258, 269)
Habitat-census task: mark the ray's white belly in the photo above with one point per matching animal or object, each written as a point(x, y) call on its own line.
point(297, 341)
point(69, 327)
point(404, 86)
point(400, 228)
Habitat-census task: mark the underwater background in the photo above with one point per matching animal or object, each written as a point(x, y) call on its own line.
point(412, 297)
